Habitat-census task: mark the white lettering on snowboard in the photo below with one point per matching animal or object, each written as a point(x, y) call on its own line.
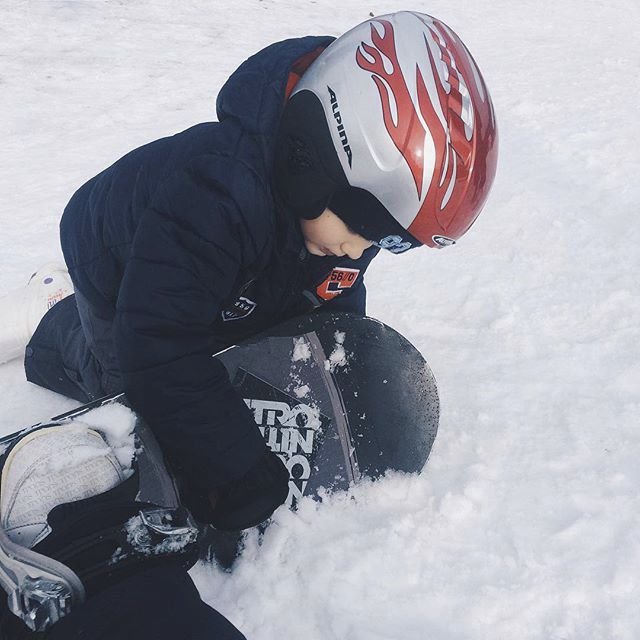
point(290, 432)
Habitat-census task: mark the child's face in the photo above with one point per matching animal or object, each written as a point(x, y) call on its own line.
point(327, 235)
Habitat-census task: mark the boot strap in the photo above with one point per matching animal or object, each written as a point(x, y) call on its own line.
point(150, 537)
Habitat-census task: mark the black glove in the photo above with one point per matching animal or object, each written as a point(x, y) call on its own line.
point(247, 502)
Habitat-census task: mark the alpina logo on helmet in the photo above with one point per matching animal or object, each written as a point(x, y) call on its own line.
point(341, 131)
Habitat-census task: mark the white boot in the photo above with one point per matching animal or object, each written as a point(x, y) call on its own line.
point(49, 467)
point(22, 309)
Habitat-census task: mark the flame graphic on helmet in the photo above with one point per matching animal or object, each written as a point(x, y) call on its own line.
point(408, 133)
point(446, 114)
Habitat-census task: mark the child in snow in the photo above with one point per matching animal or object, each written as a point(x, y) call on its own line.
point(325, 152)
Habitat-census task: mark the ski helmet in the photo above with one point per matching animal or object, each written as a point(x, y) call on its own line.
point(392, 128)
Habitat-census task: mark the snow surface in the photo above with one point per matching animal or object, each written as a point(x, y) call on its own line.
point(526, 522)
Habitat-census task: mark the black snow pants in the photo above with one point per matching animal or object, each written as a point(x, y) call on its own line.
point(159, 602)
point(70, 353)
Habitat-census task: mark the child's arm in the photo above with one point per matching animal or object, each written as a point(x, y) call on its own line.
point(352, 301)
point(183, 265)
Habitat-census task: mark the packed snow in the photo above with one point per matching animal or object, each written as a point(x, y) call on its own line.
point(526, 522)
point(301, 350)
point(116, 424)
point(338, 356)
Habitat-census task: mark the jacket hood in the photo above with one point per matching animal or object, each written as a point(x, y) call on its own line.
point(255, 93)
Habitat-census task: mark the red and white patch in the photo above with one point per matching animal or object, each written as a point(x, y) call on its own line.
point(336, 282)
point(54, 298)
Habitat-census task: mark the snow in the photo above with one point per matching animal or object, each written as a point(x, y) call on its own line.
point(338, 356)
point(116, 424)
point(301, 350)
point(302, 391)
point(141, 538)
point(525, 523)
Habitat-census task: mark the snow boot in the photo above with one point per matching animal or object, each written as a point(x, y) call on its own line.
point(22, 309)
point(49, 467)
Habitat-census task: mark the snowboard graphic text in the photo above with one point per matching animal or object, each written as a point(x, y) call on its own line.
point(290, 431)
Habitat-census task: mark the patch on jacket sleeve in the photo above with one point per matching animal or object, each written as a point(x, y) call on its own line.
point(336, 282)
point(242, 308)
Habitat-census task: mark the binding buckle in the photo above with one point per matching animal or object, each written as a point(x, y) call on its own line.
point(40, 602)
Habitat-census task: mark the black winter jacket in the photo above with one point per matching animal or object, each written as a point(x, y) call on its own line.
point(182, 246)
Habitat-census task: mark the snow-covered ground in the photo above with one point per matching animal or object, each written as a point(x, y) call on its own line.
point(526, 522)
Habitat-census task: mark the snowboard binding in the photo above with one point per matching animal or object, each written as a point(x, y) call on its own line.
point(93, 520)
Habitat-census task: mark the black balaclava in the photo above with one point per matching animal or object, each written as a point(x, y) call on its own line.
point(309, 176)
point(307, 169)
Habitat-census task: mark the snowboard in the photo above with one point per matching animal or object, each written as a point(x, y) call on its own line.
point(339, 397)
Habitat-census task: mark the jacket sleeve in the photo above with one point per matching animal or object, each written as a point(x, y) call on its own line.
point(352, 301)
point(186, 256)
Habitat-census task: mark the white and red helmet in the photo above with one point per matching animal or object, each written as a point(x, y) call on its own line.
point(413, 127)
